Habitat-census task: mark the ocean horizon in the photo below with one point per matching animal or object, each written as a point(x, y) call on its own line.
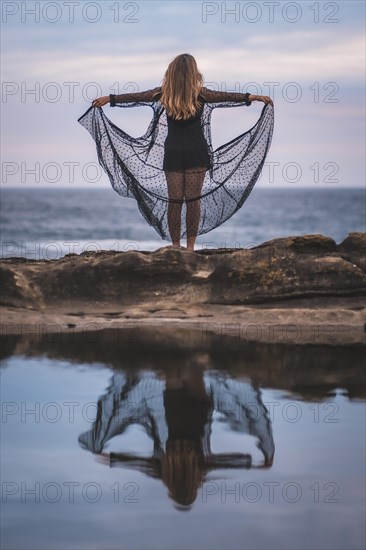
point(49, 222)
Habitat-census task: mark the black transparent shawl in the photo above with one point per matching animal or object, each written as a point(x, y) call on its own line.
point(135, 165)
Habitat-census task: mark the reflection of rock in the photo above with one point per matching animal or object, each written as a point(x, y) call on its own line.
point(305, 372)
point(287, 274)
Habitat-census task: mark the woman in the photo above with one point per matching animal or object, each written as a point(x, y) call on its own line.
point(188, 154)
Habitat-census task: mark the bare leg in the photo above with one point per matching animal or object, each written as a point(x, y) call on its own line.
point(175, 182)
point(192, 188)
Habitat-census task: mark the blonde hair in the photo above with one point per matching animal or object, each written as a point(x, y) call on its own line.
point(181, 471)
point(181, 87)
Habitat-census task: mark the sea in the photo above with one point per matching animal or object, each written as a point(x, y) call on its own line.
point(47, 223)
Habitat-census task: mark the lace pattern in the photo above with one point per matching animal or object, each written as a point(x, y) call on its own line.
point(215, 183)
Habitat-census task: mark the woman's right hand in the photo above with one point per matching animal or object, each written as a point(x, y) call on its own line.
point(264, 98)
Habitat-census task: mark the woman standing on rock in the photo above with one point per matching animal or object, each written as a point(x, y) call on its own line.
point(172, 166)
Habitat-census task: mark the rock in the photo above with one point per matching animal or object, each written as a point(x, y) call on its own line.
point(353, 249)
point(310, 271)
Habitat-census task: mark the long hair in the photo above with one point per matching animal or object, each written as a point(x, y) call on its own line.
point(181, 87)
point(182, 471)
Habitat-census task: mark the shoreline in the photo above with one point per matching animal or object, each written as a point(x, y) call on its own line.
point(306, 326)
point(295, 290)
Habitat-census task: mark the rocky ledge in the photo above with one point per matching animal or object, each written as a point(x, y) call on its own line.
point(298, 289)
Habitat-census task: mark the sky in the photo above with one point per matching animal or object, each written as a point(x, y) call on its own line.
point(308, 56)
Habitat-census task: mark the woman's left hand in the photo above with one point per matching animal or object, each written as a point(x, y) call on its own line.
point(101, 101)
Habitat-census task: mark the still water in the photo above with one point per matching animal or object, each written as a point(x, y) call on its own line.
point(162, 440)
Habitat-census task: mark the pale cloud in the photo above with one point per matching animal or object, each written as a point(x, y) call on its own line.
point(314, 57)
point(280, 61)
point(229, 55)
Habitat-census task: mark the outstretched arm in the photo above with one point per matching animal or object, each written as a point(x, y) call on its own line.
point(212, 96)
point(137, 97)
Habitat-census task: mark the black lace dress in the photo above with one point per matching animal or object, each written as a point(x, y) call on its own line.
point(185, 145)
point(182, 186)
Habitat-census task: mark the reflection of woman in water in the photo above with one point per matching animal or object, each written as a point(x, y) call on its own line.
point(177, 416)
point(182, 133)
